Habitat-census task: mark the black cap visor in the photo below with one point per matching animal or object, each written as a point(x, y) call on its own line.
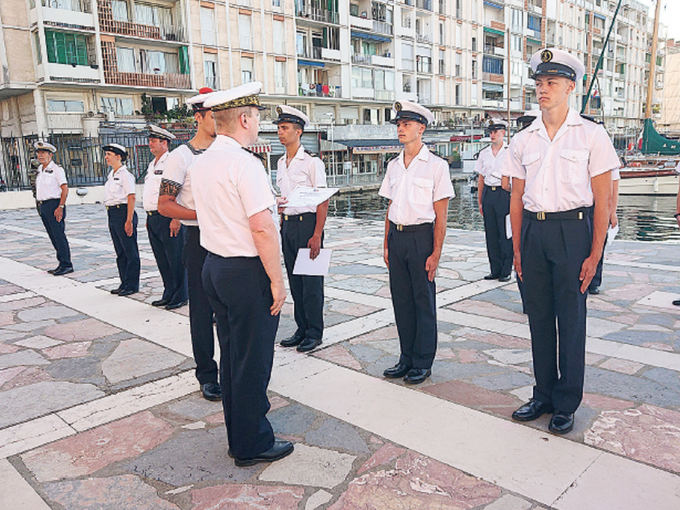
point(409, 115)
point(292, 119)
point(554, 69)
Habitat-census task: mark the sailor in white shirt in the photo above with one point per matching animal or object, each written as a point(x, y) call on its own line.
point(51, 191)
point(494, 203)
point(120, 208)
point(301, 227)
point(166, 240)
point(242, 272)
point(418, 185)
point(176, 201)
point(561, 167)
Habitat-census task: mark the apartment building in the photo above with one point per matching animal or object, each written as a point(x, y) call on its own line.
point(70, 64)
point(670, 113)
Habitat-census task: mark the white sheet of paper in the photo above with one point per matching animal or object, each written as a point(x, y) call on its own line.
point(508, 227)
point(611, 234)
point(317, 267)
point(304, 196)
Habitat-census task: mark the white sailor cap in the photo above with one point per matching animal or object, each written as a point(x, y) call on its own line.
point(554, 62)
point(196, 102)
point(116, 148)
point(289, 114)
point(247, 94)
point(44, 146)
point(412, 111)
point(498, 124)
point(160, 133)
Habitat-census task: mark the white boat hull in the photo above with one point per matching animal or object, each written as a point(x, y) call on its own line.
point(653, 185)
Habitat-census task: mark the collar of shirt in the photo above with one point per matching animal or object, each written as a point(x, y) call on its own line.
point(225, 140)
point(121, 168)
point(156, 162)
point(423, 155)
point(573, 119)
point(51, 165)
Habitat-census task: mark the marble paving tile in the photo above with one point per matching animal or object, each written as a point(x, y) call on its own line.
point(510, 356)
point(8, 348)
point(113, 493)
point(622, 366)
point(46, 312)
point(320, 497)
point(487, 309)
point(336, 434)
point(310, 466)
point(20, 304)
point(16, 493)
point(246, 497)
point(469, 394)
point(87, 329)
point(466, 291)
point(384, 333)
point(652, 357)
point(30, 326)
point(509, 502)
point(338, 354)
point(659, 299)
point(386, 454)
point(69, 350)
point(658, 346)
point(31, 375)
point(8, 374)
point(38, 342)
point(34, 433)
point(605, 403)
point(134, 358)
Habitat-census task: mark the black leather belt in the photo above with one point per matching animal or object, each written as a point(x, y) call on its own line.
point(575, 214)
point(151, 213)
point(494, 188)
point(412, 228)
point(41, 202)
point(297, 217)
point(117, 206)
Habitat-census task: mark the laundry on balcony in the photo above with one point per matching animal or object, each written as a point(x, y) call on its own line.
point(372, 37)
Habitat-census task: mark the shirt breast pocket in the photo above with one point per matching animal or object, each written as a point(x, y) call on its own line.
point(573, 165)
point(421, 190)
point(531, 163)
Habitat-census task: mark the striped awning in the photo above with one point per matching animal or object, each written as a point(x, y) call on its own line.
point(260, 147)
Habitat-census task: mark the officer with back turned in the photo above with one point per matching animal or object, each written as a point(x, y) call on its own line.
point(561, 167)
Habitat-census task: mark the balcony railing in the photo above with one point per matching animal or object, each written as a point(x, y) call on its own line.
point(319, 90)
point(384, 95)
point(423, 38)
point(382, 28)
point(424, 4)
point(315, 14)
point(174, 33)
point(424, 99)
point(361, 58)
point(68, 5)
point(168, 80)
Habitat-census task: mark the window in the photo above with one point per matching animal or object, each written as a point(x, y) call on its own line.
point(117, 105)
point(119, 9)
point(276, 3)
point(517, 20)
point(407, 56)
point(473, 95)
point(158, 62)
point(54, 105)
point(244, 32)
point(442, 91)
point(442, 62)
point(153, 15)
point(459, 35)
point(474, 44)
point(279, 37)
point(516, 41)
point(442, 39)
point(534, 23)
point(457, 68)
point(247, 73)
point(210, 71)
point(38, 50)
point(474, 69)
point(405, 19)
point(457, 95)
point(280, 77)
point(208, 34)
point(63, 48)
point(492, 65)
point(126, 60)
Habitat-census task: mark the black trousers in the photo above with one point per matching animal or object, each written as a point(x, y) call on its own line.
point(597, 279)
point(56, 230)
point(413, 295)
point(496, 206)
point(239, 291)
point(127, 251)
point(307, 291)
point(200, 312)
point(167, 251)
point(553, 252)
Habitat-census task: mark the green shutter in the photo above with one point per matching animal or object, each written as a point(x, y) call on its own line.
point(51, 47)
point(184, 60)
point(81, 49)
point(60, 42)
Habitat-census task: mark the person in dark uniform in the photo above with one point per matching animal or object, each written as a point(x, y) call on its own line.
point(301, 227)
point(166, 238)
point(120, 207)
point(51, 191)
point(494, 203)
point(594, 287)
point(242, 272)
point(561, 167)
point(176, 201)
point(418, 186)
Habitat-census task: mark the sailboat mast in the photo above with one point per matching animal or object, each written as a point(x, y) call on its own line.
point(652, 65)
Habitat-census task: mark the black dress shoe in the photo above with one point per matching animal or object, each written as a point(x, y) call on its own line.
point(280, 450)
point(127, 292)
point(175, 306)
point(309, 344)
point(62, 271)
point(531, 410)
point(504, 279)
point(211, 391)
point(52, 271)
point(160, 302)
point(491, 276)
point(116, 291)
point(676, 302)
point(417, 375)
point(397, 371)
point(561, 422)
point(595, 291)
point(292, 341)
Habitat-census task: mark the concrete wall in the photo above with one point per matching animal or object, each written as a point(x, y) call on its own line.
point(24, 199)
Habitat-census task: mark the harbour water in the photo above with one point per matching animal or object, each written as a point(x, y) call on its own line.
point(641, 218)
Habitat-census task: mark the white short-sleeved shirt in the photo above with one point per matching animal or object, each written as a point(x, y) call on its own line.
point(557, 173)
point(152, 182)
point(304, 170)
point(229, 186)
point(177, 171)
point(48, 181)
point(119, 185)
point(414, 190)
point(490, 166)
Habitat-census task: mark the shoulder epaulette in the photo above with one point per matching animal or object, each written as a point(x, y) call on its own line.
point(525, 126)
point(592, 119)
point(261, 157)
point(193, 149)
point(312, 154)
point(391, 159)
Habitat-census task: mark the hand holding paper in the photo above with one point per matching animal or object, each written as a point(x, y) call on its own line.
point(303, 196)
point(304, 265)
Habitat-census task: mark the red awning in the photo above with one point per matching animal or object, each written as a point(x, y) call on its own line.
point(260, 147)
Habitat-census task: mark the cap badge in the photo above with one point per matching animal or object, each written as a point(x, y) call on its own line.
point(397, 106)
point(279, 111)
point(546, 56)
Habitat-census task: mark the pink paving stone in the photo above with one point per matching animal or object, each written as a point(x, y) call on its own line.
point(376, 440)
point(625, 318)
point(277, 402)
point(386, 333)
point(648, 434)
point(94, 449)
point(658, 346)
point(30, 376)
point(21, 304)
point(595, 303)
point(10, 289)
point(88, 329)
point(386, 454)
point(640, 277)
point(606, 403)
point(631, 291)
point(216, 418)
point(8, 348)
point(8, 374)
point(471, 356)
point(417, 482)
point(114, 493)
point(469, 394)
point(614, 272)
point(445, 353)
point(488, 310)
point(511, 342)
point(6, 318)
point(287, 309)
point(338, 354)
point(246, 497)
point(593, 359)
point(448, 273)
point(352, 308)
point(384, 292)
point(71, 350)
point(622, 366)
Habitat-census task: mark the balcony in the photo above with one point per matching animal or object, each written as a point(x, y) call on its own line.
point(365, 23)
point(424, 4)
point(421, 38)
point(372, 60)
point(381, 27)
point(167, 81)
point(65, 13)
point(65, 122)
point(172, 32)
point(319, 90)
point(492, 103)
point(314, 14)
point(73, 74)
point(492, 49)
point(384, 95)
point(493, 77)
